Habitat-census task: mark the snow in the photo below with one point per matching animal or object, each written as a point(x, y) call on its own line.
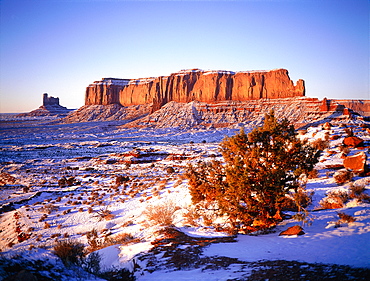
point(110, 256)
point(346, 245)
point(45, 152)
point(111, 81)
point(127, 253)
point(182, 72)
point(141, 81)
point(218, 72)
point(199, 232)
point(185, 71)
point(195, 274)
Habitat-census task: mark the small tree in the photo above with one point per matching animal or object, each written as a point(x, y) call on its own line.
point(260, 169)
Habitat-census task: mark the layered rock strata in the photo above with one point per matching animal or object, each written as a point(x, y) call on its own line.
point(300, 111)
point(208, 98)
point(105, 92)
point(359, 106)
point(195, 84)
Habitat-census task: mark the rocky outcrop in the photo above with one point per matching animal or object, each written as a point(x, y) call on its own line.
point(356, 163)
point(326, 126)
point(353, 141)
point(110, 112)
point(50, 108)
point(299, 111)
point(293, 230)
point(359, 106)
point(348, 107)
point(208, 98)
point(195, 84)
point(105, 92)
point(49, 101)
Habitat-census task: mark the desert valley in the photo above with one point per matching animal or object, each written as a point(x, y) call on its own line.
point(109, 180)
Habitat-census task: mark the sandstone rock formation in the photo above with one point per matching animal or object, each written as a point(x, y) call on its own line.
point(353, 141)
point(326, 126)
point(293, 230)
point(299, 111)
point(360, 106)
point(349, 107)
point(50, 108)
point(195, 84)
point(105, 92)
point(356, 163)
point(207, 98)
point(49, 101)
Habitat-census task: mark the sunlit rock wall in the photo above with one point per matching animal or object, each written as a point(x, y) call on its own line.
point(195, 84)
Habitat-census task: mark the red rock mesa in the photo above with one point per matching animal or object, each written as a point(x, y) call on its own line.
point(194, 84)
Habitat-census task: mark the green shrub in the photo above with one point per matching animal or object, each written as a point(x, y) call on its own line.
point(260, 169)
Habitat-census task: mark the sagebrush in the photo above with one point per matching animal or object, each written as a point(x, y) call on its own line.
point(161, 214)
point(70, 251)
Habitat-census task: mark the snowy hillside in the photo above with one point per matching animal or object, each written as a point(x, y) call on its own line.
point(300, 111)
point(122, 193)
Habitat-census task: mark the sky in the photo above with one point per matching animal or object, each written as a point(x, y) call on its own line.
point(59, 47)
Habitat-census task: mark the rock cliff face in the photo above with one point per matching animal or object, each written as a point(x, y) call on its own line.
point(195, 84)
point(360, 106)
point(46, 100)
point(105, 92)
point(209, 98)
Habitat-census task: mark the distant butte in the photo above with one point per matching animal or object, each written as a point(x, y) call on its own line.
point(50, 107)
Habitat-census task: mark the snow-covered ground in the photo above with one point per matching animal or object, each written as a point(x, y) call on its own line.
point(35, 156)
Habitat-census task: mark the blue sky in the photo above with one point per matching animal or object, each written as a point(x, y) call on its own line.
point(60, 46)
